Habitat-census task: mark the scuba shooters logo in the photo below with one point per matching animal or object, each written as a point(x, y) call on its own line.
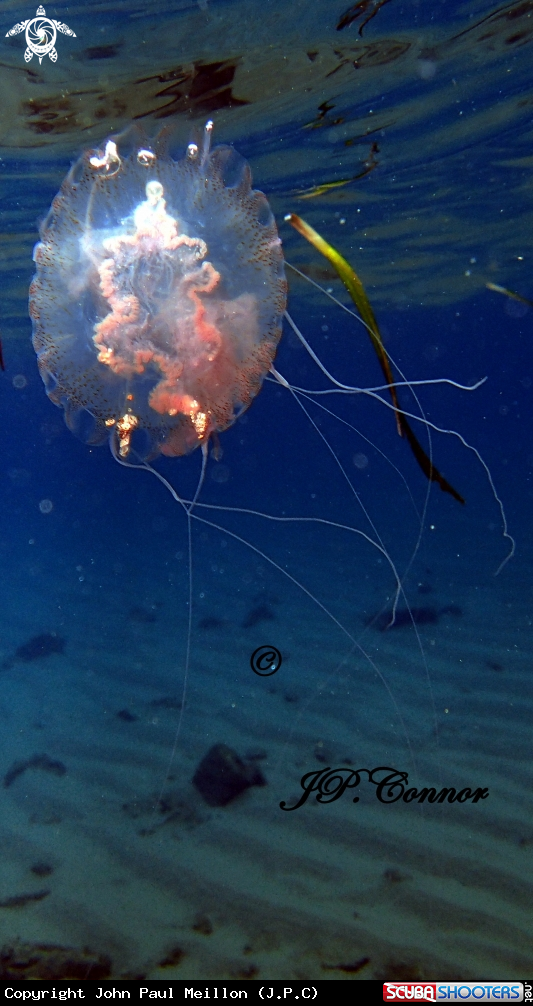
point(329, 784)
point(41, 34)
point(468, 992)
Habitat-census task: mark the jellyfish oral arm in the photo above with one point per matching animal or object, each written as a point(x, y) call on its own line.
point(279, 378)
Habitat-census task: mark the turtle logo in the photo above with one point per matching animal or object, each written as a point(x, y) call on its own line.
point(41, 34)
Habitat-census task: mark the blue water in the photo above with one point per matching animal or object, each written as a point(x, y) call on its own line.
point(142, 869)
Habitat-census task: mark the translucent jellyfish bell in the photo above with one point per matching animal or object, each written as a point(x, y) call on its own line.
point(159, 294)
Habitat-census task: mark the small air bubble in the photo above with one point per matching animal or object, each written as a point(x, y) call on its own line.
point(146, 158)
point(46, 506)
point(426, 69)
point(109, 163)
point(19, 476)
point(515, 309)
point(220, 474)
point(19, 381)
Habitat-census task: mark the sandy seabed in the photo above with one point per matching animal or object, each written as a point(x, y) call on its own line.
point(142, 869)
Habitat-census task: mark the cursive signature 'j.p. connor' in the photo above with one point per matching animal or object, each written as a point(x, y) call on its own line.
point(328, 784)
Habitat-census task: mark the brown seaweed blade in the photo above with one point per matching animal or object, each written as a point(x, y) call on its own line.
point(358, 10)
point(357, 292)
point(425, 463)
point(509, 293)
point(369, 164)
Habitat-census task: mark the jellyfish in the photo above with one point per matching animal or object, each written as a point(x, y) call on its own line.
point(158, 298)
point(157, 306)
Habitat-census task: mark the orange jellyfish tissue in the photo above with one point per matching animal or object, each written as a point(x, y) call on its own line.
point(158, 298)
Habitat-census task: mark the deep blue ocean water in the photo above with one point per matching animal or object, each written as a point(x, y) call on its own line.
point(141, 868)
